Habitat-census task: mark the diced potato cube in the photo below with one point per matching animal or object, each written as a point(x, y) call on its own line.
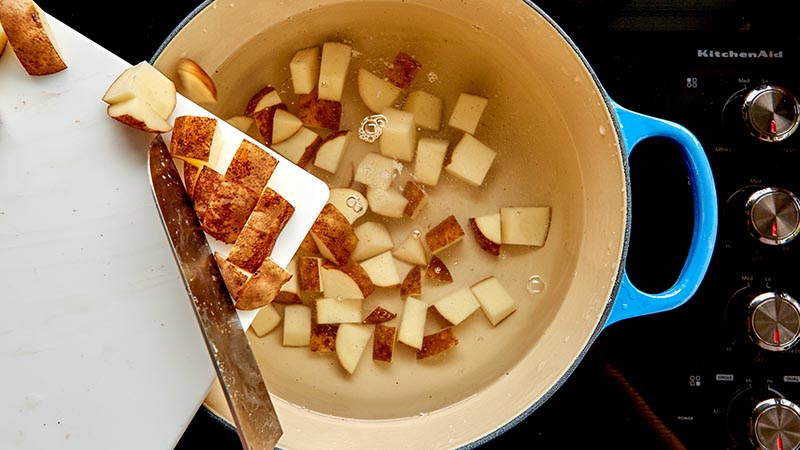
point(304, 68)
point(467, 112)
point(457, 306)
point(399, 138)
point(296, 325)
point(334, 64)
point(377, 171)
point(495, 300)
point(427, 109)
point(338, 310)
point(412, 323)
point(525, 225)
point(471, 160)
point(266, 320)
point(430, 158)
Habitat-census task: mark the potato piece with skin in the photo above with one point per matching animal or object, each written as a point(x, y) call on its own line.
point(403, 70)
point(296, 326)
point(196, 84)
point(525, 225)
point(309, 274)
point(261, 231)
point(284, 125)
point(373, 238)
point(136, 113)
point(379, 315)
point(429, 161)
point(338, 310)
point(304, 68)
point(333, 68)
point(228, 210)
point(301, 148)
point(351, 341)
point(349, 280)
point(382, 270)
point(412, 323)
point(144, 82)
point(467, 112)
point(351, 203)
point(315, 112)
point(470, 160)
point(376, 92)
point(426, 108)
point(438, 342)
point(323, 337)
point(267, 319)
point(412, 283)
point(204, 190)
point(444, 235)
point(386, 202)
point(264, 97)
point(264, 119)
point(456, 306)
point(496, 302)
point(195, 137)
point(251, 166)
point(383, 343)
point(241, 123)
point(438, 271)
point(399, 138)
point(487, 232)
point(332, 149)
point(29, 35)
point(262, 287)
point(417, 199)
point(233, 276)
point(334, 235)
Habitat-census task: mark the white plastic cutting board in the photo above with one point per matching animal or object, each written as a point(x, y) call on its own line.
point(99, 346)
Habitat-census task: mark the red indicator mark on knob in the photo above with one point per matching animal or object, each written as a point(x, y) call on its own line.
point(775, 229)
point(776, 337)
point(773, 128)
point(780, 443)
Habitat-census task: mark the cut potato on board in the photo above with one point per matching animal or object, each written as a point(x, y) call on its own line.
point(377, 171)
point(467, 112)
point(403, 70)
point(487, 232)
point(155, 93)
point(496, 302)
point(527, 225)
point(195, 137)
point(379, 315)
point(261, 288)
point(264, 97)
point(251, 166)
point(304, 68)
point(309, 270)
point(296, 326)
point(351, 341)
point(284, 125)
point(334, 235)
point(332, 149)
point(316, 112)
point(261, 231)
point(386, 202)
point(431, 153)
point(445, 234)
point(426, 108)
point(417, 198)
point(205, 188)
point(438, 342)
point(232, 275)
point(412, 283)
point(437, 270)
point(267, 319)
point(412, 322)
point(27, 30)
point(323, 337)
point(399, 138)
point(373, 238)
point(229, 208)
point(194, 82)
point(338, 310)
point(350, 202)
point(376, 92)
point(333, 69)
point(412, 251)
point(349, 280)
point(471, 160)
point(136, 113)
point(457, 305)
point(383, 343)
point(301, 148)
point(382, 270)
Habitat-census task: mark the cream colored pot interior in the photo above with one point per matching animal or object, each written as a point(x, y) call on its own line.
point(556, 144)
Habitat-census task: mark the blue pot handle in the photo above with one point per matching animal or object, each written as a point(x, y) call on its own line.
point(630, 301)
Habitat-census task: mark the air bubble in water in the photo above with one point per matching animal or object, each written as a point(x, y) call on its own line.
point(535, 284)
point(416, 234)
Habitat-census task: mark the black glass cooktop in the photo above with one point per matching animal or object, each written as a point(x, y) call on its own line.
point(687, 378)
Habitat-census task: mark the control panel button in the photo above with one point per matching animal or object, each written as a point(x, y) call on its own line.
point(774, 215)
point(774, 321)
point(771, 113)
point(775, 425)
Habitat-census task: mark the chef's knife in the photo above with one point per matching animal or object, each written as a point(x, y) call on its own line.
point(250, 404)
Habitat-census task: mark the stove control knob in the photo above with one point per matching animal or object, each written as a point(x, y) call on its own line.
point(771, 113)
point(774, 215)
point(775, 425)
point(773, 321)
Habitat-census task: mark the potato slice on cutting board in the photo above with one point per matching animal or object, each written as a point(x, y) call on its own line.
point(28, 32)
point(261, 288)
point(142, 97)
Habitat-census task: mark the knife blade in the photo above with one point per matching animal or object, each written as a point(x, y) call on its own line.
point(251, 407)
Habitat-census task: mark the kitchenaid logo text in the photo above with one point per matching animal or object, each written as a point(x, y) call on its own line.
point(732, 54)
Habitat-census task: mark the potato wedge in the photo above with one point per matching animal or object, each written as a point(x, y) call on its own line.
point(349, 280)
point(379, 315)
point(261, 230)
point(383, 343)
point(412, 283)
point(438, 342)
point(251, 166)
point(438, 271)
point(262, 287)
point(228, 210)
point(444, 235)
point(351, 341)
point(323, 337)
point(334, 235)
point(315, 112)
point(29, 35)
point(195, 83)
point(233, 276)
point(403, 70)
